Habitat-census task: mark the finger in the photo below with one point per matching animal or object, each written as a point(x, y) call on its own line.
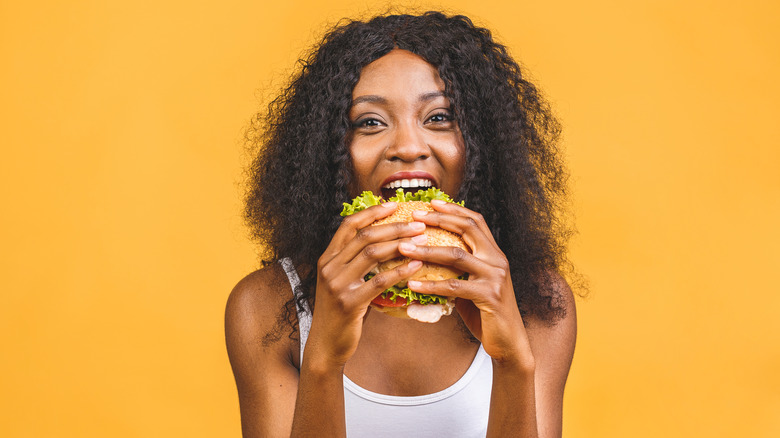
point(352, 223)
point(382, 281)
point(473, 218)
point(475, 235)
point(453, 287)
point(360, 244)
point(481, 294)
point(449, 207)
point(453, 256)
point(366, 259)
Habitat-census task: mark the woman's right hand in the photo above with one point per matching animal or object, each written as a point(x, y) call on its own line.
point(342, 296)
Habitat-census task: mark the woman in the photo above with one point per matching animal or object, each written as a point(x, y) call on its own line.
point(431, 98)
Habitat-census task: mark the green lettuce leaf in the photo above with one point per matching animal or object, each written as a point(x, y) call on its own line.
point(368, 199)
point(362, 202)
point(422, 195)
point(395, 292)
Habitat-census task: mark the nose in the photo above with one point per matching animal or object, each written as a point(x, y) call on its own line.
point(408, 143)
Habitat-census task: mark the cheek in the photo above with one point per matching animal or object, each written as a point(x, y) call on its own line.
point(358, 163)
point(362, 167)
point(457, 157)
point(456, 164)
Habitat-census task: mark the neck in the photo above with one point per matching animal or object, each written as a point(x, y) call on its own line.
point(408, 333)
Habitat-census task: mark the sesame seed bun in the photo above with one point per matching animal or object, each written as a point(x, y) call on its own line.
point(436, 237)
point(428, 272)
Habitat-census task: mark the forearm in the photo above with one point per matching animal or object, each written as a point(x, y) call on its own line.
point(319, 408)
point(512, 401)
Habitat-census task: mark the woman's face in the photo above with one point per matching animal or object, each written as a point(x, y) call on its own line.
point(403, 130)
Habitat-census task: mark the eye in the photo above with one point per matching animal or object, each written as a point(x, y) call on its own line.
point(367, 122)
point(441, 117)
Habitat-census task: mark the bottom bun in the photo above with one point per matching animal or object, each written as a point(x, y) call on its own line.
point(423, 313)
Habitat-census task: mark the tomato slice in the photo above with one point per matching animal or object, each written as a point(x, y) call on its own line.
point(387, 302)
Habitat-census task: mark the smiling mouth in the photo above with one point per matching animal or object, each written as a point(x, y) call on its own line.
point(411, 185)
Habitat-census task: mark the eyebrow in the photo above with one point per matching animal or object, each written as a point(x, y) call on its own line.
point(379, 99)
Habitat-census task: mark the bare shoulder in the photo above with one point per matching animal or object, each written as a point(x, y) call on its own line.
point(554, 341)
point(254, 312)
point(261, 352)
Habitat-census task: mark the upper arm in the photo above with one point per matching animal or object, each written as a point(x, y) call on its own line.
point(266, 378)
point(553, 349)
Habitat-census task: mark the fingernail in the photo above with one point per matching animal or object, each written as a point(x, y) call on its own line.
point(415, 264)
point(406, 246)
point(422, 239)
point(438, 202)
point(416, 226)
point(413, 283)
point(388, 204)
point(419, 213)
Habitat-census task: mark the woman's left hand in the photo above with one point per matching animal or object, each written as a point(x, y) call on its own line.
point(486, 301)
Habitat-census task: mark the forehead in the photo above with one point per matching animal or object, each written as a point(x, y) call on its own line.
point(399, 71)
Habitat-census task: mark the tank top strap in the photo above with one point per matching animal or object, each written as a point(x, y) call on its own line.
point(301, 307)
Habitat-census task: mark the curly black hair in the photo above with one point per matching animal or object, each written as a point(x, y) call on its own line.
point(514, 173)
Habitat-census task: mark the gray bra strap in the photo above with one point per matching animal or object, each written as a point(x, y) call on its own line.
point(304, 314)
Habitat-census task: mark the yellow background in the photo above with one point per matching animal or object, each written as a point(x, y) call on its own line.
point(121, 233)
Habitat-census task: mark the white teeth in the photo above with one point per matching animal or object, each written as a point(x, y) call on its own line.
point(405, 183)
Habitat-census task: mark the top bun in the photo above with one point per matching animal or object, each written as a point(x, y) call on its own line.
point(436, 237)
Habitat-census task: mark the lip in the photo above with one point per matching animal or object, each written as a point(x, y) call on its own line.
point(409, 175)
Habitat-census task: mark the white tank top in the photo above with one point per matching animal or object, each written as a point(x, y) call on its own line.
point(458, 411)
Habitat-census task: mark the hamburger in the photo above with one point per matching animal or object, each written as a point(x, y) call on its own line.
point(399, 300)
